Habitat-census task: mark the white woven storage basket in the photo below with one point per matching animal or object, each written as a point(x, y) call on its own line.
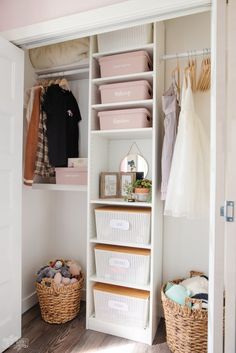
point(128, 307)
point(125, 38)
point(126, 225)
point(123, 264)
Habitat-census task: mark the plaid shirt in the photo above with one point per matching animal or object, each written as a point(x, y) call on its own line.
point(42, 165)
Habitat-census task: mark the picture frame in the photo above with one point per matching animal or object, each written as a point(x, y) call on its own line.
point(125, 180)
point(109, 185)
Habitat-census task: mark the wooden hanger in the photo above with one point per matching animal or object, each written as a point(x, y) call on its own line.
point(204, 81)
point(193, 74)
point(58, 80)
point(175, 71)
point(51, 82)
point(64, 84)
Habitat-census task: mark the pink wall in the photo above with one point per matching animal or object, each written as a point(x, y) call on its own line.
point(18, 13)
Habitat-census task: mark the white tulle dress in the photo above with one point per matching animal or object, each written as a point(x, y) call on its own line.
point(188, 187)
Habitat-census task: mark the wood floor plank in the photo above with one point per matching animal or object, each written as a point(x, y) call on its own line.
point(72, 337)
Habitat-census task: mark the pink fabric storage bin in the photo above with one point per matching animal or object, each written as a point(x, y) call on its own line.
point(125, 119)
point(124, 64)
point(71, 176)
point(125, 91)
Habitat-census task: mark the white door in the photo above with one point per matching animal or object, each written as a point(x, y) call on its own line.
point(11, 118)
point(230, 227)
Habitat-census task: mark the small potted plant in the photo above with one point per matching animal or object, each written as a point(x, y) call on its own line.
point(142, 189)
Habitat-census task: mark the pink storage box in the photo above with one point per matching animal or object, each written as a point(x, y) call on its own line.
point(125, 64)
point(125, 119)
point(125, 91)
point(71, 176)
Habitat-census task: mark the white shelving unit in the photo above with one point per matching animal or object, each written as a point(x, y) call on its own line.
point(95, 278)
point(106, 149)
point(133, 104)
point(59, 187)
point(124, 78)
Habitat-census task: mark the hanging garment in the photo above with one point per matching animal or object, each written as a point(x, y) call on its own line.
point(32, 139)
point(29, 105)
point(42, 165)
point(188, 187)
point(171, 108)
point(63, 115)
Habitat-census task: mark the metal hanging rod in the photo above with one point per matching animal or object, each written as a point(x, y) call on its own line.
point(187, 54)
point(76, 72)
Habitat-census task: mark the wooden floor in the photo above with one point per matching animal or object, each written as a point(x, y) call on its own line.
point(72, 337)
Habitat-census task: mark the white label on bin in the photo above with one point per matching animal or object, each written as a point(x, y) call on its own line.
point(121, 66)
point(122, 93)
point(117, 305)
point(116, 262)
point(120, 121)
point(119, 224)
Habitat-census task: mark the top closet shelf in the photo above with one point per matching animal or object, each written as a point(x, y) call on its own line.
point(147, 47)
point(148, 75)
point(59, 187)
point(132, 104)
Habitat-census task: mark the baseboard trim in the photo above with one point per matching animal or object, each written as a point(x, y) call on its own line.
point(29, 301)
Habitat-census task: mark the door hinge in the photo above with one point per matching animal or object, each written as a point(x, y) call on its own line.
point(227, 211)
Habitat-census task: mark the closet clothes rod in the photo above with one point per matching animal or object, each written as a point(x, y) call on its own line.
point(190, 54)
point(81, 73)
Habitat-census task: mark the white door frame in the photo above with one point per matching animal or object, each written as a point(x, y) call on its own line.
point(217, 179)
point(130, 13)
point(230, 189)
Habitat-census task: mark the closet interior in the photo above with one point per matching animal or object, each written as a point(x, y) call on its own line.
point(59, 220)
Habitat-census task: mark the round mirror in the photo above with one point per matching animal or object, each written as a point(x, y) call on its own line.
point(134, 163)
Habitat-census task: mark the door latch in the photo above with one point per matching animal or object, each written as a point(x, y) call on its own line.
point(227, 211)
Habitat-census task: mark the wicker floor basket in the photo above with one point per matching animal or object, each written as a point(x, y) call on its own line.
point(59, 304)
point(186, 329)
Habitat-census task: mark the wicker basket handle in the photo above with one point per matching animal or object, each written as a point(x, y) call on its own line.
point(49, 282)
point(189, 300)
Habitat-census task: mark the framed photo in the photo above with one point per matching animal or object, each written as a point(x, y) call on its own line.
point(109, 185)
point(126, 180)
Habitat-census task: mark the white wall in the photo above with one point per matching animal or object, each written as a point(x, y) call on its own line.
point(186, 241)
point(14, 13)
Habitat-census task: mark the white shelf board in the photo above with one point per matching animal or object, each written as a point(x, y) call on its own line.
point(94, 278)
point(120, 202)
point(147, 47)
point(148, 75)
point(59, 187)
point(132, 333)
point(124, 134)
point(148, 103)
point(131, 245)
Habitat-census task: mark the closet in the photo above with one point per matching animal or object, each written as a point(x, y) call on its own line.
point(59, 216)
point(59, 220)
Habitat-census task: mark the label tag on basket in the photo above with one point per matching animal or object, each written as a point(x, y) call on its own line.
point(119, 224)
point(114, 261)
point(113, 304)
